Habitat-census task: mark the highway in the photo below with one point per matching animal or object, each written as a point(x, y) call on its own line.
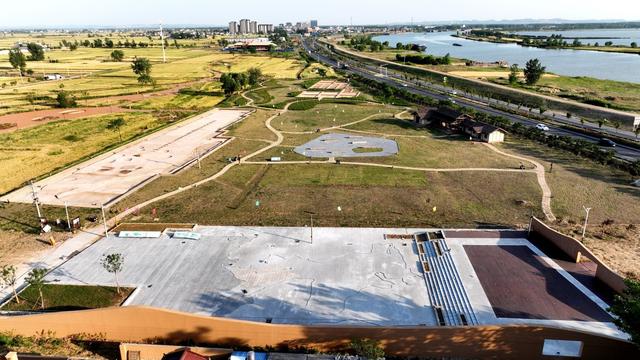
point(438, 92)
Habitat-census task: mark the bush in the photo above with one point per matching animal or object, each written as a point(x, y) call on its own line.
point(66, 100)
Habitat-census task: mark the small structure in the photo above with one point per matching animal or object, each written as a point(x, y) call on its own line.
point(259, 44)
point(455, 121)
point(483, 131)
point(53, 77)
point(184, 354)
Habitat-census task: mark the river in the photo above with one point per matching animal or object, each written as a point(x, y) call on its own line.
point(601, 65)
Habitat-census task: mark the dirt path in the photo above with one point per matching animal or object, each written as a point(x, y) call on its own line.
point(542, 181)
point(34, 118)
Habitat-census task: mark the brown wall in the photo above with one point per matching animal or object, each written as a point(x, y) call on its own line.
point(141, 324)
point(575, 249)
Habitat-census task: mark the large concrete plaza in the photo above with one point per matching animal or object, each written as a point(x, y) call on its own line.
point(102, 179)
point(345, 145)
point(345, 276)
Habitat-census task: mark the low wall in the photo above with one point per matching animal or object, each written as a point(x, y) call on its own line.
point(143, 324)
point(576, 250)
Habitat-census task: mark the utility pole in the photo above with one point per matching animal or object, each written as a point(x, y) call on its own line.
point(104, 221)
point(164, 55)
point(586, 219)
point(311, 229)
point(35, 199)
point(66, 210)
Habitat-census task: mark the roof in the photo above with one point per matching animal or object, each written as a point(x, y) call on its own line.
point(449, 112)
point(479, 127)
point(184, 354)
point(424, 112)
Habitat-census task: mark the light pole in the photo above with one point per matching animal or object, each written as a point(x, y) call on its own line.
point(35, 200)
point(586, 219)
point(104, 222)
point(66, 210)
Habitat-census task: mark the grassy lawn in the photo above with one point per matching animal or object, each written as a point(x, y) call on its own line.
point(311, 71)
point(68, 297)
point(576, 182)
point(29, 153)
point(365, 150)
point(368, 197)
point(327, 115)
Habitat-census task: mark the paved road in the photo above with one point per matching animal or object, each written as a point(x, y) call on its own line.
point(371, 72)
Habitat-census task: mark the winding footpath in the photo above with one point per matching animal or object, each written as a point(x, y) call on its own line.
point(62, 253)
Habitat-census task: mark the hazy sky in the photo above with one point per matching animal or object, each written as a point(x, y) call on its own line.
point(210, 12)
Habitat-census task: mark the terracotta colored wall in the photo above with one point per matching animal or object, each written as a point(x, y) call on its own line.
point(573, 248)
point(139, 324)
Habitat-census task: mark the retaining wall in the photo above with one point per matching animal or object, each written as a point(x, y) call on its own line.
point(576, 250)
point(143, 324)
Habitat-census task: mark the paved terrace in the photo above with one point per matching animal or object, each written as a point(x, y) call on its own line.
point(105, 178)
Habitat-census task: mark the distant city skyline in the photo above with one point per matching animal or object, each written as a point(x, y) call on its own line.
point(69, 13)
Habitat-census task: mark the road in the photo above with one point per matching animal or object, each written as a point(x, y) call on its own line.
point(472, 101)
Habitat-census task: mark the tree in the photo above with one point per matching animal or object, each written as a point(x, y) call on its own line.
point(115, 125)
point(634, 44)
point(35, 278)
point(533, 71)
point(142, 68)
point(513, 74)
point(322, 72)
point(229, 84)
point(8, 277)
point(369, 349)
point(117, 55)
point(36, 51)
point(254, 76)
point(113, 263)
point(626, 307)
point(66, 100)
point(602, 122)
point(18, 60)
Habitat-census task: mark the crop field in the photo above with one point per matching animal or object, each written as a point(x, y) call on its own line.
point(279, 68)
point(35, 151)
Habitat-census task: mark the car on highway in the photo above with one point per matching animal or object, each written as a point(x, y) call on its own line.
point(607, 142)
point(542, 127)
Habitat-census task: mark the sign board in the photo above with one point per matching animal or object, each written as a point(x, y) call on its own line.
point(139, 234)
point(186, 235)
point(566, 348)
point(46, 228)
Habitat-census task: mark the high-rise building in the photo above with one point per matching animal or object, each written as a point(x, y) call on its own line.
point(244, 26)
point(233, 27)
point(314, 23)
point(265, 28)
point(253, 27)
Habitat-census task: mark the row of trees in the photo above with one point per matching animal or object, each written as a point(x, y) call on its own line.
point(19, 61)
point(105, 43)
point(234, 82)
point(425, 59)
point(365, 42)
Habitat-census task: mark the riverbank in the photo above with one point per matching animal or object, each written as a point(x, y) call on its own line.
point(612, 94)
point(514, 39)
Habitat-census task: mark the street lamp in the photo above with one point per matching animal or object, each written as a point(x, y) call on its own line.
point(586, 218)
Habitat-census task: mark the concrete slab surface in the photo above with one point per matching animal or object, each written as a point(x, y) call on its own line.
point(343, 145)
point(102, 179)
point(347, 276)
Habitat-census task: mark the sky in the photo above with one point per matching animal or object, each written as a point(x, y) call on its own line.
point(61, 13)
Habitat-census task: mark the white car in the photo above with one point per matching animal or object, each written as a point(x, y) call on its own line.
point(542, 127)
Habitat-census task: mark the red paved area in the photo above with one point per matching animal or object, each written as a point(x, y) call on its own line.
point(520, 285)
point(39, 117)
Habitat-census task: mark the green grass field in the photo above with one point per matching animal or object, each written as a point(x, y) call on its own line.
point(68, 297)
